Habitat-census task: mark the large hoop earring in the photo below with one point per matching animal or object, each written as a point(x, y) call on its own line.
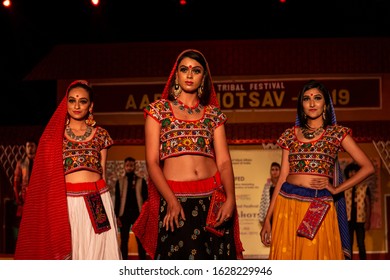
point(90, 121)
point(176, 90)
point(200, 89)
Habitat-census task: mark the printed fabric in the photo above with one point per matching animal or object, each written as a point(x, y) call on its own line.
point(362, 191)
point(148, 225)
point(265, 200)
point(314, 157)
point(86, 154)
point(45, 230)
point(180, 137)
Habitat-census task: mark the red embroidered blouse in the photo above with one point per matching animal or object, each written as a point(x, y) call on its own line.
point(86, 154)
point(179, 137)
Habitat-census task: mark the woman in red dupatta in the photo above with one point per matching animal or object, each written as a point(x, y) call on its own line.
point(188, 160)
point(58, 221)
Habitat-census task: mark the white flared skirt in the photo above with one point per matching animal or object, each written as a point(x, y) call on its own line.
point(86, 244)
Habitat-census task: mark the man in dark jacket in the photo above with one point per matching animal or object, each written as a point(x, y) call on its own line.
point(130, 194)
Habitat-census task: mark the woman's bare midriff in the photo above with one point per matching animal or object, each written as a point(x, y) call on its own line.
point(189, 168)
point(82, 176)
point(303, 180)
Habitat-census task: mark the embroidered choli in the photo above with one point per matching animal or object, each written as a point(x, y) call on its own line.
point(179, 137)
point(314, 157)
point(85, 155)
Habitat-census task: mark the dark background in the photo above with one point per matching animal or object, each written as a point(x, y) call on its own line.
point(30, 29)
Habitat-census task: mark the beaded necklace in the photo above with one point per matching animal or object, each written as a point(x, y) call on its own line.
point(78, 138)
point(190, 110)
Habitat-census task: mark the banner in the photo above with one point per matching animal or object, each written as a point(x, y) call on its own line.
point(251, 171)
point(244, 94)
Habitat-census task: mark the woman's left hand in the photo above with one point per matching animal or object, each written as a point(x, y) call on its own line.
point(319, 183)
point(322, 183)
point(225, 213)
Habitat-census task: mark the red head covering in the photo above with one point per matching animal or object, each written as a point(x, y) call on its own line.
point(45, 230)
point(167, 89)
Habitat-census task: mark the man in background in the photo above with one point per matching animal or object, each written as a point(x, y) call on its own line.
point(357, 200)
point(130, 194)
point(22, 176)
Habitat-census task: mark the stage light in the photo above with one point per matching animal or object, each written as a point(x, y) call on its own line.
point(282, 1)
point(183, 2)
point(95, 2)
point(7, 3)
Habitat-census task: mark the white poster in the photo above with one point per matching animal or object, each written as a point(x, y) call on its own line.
point(251, 171)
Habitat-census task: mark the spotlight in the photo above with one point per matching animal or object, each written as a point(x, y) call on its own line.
point(7, 3)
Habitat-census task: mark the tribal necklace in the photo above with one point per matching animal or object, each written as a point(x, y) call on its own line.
point(190, 110)
point(310, 133)
point(78, 138)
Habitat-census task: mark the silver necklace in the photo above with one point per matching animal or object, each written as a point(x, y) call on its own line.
point(310, 133)
point(78, 138)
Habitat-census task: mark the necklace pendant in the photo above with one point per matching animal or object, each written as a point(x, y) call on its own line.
point(189, 111)
point(78, 138)
point(310, 134)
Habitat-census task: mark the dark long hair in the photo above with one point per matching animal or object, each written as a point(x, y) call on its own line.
point(328, 102)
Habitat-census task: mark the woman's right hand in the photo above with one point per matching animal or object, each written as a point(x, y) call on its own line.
point(173, 216)
point(265, 233)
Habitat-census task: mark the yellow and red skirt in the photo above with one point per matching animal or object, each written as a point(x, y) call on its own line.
point(290, 208)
